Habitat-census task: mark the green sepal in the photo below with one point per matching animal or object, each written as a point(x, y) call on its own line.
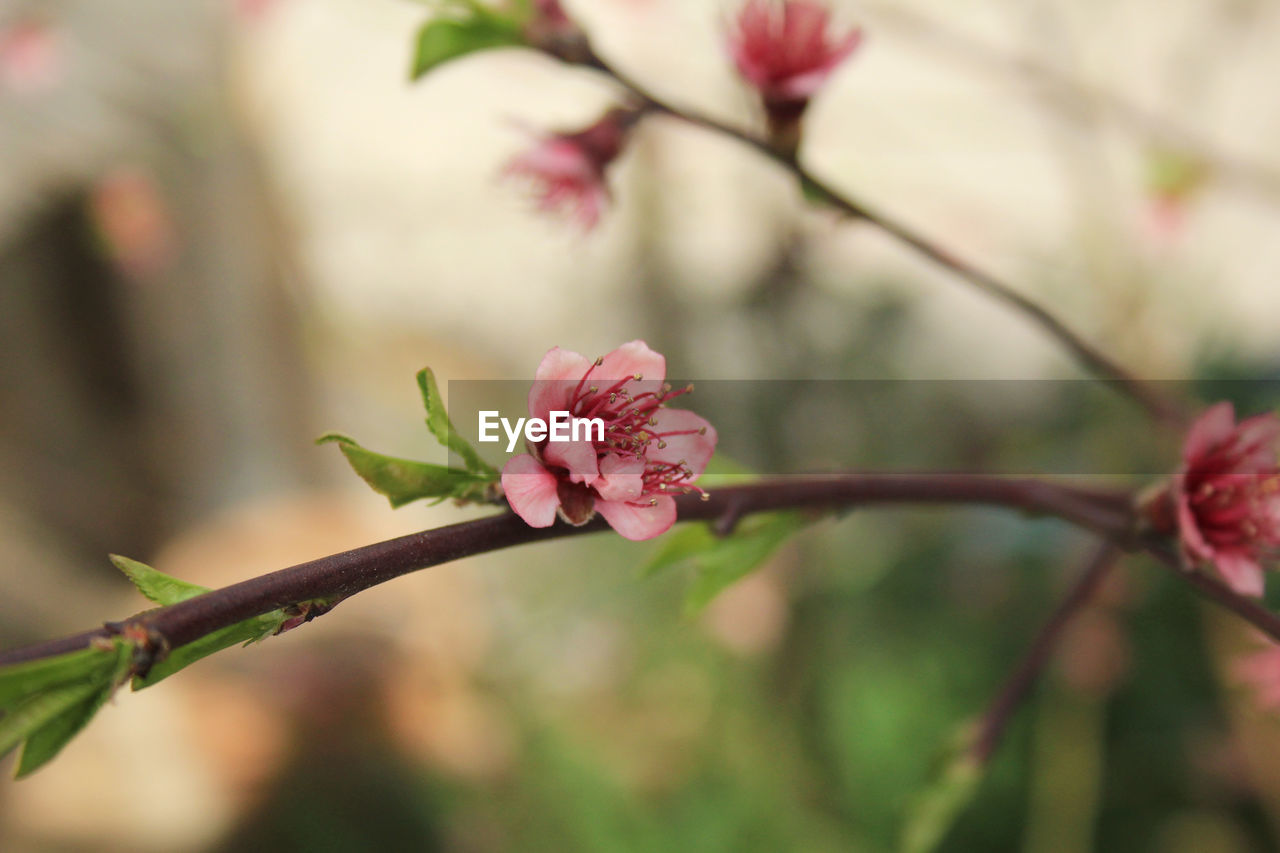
point(403, 481)
point(466, 27)
point(442, 428)
point(157, 586)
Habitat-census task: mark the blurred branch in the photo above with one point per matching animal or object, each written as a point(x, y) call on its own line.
point(1107, 514)
point(1076, 95)
point(1156, 404)
point(995, 720)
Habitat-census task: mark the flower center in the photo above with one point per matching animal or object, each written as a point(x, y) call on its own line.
point(631, 428)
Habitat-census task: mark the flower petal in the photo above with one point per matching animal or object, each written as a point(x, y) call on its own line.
point(693, 447)
point(531, 490)
point(639, 521)
point(621, 478)
point(631, 359)
point(554, 381)
point(1241, 572)
point(1193, 541)
point(577, 457)
point(1209, 430)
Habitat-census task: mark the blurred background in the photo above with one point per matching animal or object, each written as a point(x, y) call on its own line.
point(227, 226)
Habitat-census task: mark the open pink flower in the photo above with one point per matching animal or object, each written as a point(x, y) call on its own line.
point(649, 453)
point(1227, 495)
point(785, 51)
point(567, 170)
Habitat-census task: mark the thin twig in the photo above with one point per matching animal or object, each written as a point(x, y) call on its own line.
point(1114, 374)
point(342, 575)
point(1017, 686)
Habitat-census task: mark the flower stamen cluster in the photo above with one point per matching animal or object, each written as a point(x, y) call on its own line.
point(646, 454)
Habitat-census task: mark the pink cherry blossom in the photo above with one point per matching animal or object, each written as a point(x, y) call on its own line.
point(785, 50)
point(649, 453)
point(567, 170)
point(1227, 495)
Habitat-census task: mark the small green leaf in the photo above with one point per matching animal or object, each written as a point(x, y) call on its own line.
point(474, 28)
point(47, 741)
point(442, 428)
point(940, 803)
point(157, 586)
point(62, 695)
point(729, 558)
point(680, 546)
point(249, 631)
point(22, 680)
point(402, 481)
point(22, 721)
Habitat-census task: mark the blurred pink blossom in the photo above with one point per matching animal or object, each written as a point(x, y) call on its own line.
point(567, 170)
point(133, 221)
point(1227, 495)
point(32, 57)
point(785, 50)
point(649, 453)
point(1260, 670)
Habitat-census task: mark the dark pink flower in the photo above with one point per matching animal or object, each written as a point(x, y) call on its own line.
point(567, 170)
point(1227, 495)
point(785, 51)
point(649, 453)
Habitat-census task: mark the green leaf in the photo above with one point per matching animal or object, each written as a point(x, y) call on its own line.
point(472, 28)
point(47, 741)
point(402, 481)
point(442, 428)
point(22, 680)
point(720, 561)
point(157, 586)
point(26, 718)
point(45, 703)
point(938, 805)
point(679, 547)
point(248, 631)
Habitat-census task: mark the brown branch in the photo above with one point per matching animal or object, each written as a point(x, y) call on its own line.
point(1017, 686)
point(341, 575)
point(1114, 374)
